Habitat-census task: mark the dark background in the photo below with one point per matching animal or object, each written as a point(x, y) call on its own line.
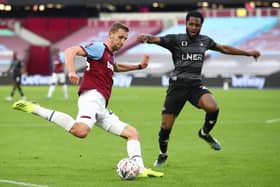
point(92, 8)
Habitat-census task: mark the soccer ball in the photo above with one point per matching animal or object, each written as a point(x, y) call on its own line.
point(128, 169)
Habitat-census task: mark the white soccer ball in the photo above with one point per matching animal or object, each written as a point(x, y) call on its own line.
point(128, 169)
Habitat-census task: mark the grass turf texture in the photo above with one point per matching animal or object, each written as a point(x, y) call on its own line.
point(32, 150)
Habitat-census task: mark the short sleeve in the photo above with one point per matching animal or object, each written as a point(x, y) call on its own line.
point(167, 41)
point(94, 50)
point(211, 43)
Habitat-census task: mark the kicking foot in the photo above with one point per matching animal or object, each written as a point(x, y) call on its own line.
point(214, 144)
point(150, 173)
point(24, 106)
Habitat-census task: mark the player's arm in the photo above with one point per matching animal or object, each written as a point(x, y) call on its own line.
point(120, 67)
point(70, 54)
point(147, 38)
point(10, 68)
point(235, 51)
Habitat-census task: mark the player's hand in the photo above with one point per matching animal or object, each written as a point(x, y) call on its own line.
point(255, 54)
point(145, 62)
point(143, 38)
point(73, 77)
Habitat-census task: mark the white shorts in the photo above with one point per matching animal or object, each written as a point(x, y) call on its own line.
point(58, 78)
point(92, 110)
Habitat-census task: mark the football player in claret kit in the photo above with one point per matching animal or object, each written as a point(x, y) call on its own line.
point(58, 75)
point(185, 82)
point(94, 93)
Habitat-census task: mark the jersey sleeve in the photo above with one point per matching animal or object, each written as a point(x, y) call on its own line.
point(167, 41)
point(94, 50)
point(211, 43)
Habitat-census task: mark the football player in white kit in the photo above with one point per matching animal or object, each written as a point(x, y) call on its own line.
point(58, 75)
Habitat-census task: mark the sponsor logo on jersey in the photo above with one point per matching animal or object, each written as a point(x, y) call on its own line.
point(184, 43)
point(192, 57)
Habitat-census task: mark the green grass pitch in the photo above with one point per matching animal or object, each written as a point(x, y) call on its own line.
point(35, 151)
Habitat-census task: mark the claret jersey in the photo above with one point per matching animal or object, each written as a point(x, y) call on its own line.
point(58, 64)
point(187, 54)
point(99, 73)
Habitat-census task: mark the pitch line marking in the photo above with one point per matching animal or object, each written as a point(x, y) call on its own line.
point(21, 183)
point(272, 120)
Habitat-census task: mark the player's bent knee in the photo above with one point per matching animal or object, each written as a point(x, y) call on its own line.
point(210, 107)
point(80, 130)
point(81, 134)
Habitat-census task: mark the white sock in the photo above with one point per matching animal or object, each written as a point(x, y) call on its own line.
point(134, 152)
point(65, 91)
point(51, 90)
point(61, 119)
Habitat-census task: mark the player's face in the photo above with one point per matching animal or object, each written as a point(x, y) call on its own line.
point(193, 26)
point(117, 39)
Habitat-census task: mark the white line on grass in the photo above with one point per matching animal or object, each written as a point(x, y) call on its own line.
point(272, 120)
point(21, 183)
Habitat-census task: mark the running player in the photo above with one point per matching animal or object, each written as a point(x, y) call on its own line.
point(185, 80)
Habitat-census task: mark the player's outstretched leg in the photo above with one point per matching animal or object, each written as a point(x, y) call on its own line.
point(59, 118)
point(210, 140)
point(150, 173)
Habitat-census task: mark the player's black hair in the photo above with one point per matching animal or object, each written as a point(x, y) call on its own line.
point(195, 14)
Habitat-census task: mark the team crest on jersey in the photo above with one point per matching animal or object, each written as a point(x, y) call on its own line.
point(184, 43)
point(110, 66)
